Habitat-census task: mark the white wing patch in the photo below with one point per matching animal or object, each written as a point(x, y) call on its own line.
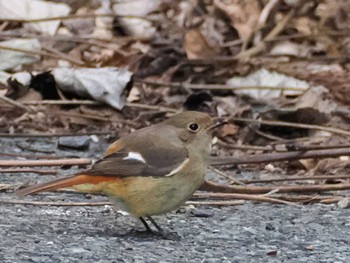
point(178, 169)
point(134, 156)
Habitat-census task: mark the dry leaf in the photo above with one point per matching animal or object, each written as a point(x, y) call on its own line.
point(102, 84)
point(35, 9)
point(196, 46)
point(244, 15)
point(265, 78)
point(12, 59)
point(227, 130)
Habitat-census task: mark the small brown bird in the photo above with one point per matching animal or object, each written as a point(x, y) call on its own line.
point(151, 171)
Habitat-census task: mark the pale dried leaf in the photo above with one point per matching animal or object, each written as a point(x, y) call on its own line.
point(265, 78)
point(35, 9)
point(196, 46)
point(12, 59)
point(244, 15)
point(102, 84)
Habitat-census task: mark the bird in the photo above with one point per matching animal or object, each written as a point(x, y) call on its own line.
point(150, 171)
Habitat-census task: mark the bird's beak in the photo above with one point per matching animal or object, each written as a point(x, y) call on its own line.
point(218, 122)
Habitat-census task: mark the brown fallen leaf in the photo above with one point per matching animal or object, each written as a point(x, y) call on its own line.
point(244, 15)
point(196, 46)
point(227, 130)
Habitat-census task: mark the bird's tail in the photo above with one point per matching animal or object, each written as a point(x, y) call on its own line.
point(74, 180)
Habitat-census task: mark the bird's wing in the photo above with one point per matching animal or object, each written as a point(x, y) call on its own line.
point(151, 162)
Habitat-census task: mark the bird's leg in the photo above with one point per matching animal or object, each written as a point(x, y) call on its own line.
point(166, 235)
point(160, 230)
point(148, 229)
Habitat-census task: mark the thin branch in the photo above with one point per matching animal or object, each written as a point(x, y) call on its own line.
point(281, 156)
point(231, 178)
point(14, 103)
point(296, 178)
point(213, 86)
point(43, 203)
point(213, 187)
point(63, 102)
point(150, 107)
point(271, 35)
point(216, 203)
point(91, 102)
point(67, 17)
point(38, 135)
point(251, 197)
point(41, 53)
point(294, 125)
point(25, 170)
point(31, 163)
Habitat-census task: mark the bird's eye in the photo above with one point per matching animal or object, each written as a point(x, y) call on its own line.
point(193, 127)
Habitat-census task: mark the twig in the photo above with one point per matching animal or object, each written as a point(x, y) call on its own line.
point(213, 86)
point(244, 147)
point(295, 178)
point(19, 170)
point(150, 107)
point(31, 156)
point(5, 186)
point(31, 163)
point(310, 198)
point(41, 53)
point(266, 135)
point(252, 197)
point(43, 203)
point(216, 203)
point(62, 102)
point(38, 135)
point(80, 115)
point(298, 147)
point(15, 103)
point(91, 102)
point(281, 156)
point(88, 39)
point(213, 187)
point(231, 178)
point(272, 34)
point(293, 125)
point(62, 55)
point(264, 14)
point(37, 20)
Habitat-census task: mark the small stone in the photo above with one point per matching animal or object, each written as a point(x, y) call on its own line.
point(201, 213)
point(272, 253)
point(344, 203)
point(269, 227)
point(79, 143)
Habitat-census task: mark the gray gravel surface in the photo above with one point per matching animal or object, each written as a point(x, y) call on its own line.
point(244, 233)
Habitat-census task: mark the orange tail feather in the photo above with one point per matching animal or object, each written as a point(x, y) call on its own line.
point(62, 183)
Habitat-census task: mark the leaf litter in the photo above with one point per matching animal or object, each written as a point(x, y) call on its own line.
point(277, 69)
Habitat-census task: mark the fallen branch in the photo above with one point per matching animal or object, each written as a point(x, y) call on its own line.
point(213, 187)
point(260, 198)
point(294, 125)
point(36, 135)
point(25, 170)
point(30, 163)
point(44, 203)
point(5, 186)
point(295, 178)
point(281, 156)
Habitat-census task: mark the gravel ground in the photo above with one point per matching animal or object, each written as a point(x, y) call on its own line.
point(242, 233)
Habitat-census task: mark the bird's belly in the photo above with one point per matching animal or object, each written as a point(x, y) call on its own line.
point(147, 196)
